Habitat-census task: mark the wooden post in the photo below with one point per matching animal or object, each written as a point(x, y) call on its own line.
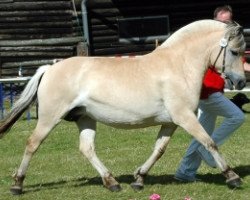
point(80, 50)
point(156, 43)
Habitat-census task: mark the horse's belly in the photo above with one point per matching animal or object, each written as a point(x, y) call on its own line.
point(128, 118)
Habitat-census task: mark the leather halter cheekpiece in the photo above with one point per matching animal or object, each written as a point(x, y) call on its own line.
point(223, 45)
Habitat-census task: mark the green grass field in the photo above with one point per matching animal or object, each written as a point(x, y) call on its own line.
point(59, 171)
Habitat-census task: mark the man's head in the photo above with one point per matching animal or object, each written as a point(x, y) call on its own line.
point(223, 13)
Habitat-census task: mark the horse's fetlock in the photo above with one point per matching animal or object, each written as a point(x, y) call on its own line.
point(139, 173)
point(18, 179)
point(109, 180)
point(230, 174)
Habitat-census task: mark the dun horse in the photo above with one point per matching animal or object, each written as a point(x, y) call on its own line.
point(160, 88)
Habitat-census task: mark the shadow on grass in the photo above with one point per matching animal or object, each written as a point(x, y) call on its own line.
point(217, 179)
point(59, 184)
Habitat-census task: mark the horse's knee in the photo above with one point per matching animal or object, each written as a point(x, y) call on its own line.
point(87, 143)
point(212, 147)
point(87, 147)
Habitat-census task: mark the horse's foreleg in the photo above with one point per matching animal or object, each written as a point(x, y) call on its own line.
point(159, 149)
point(32, 145)
point(87, 129)
point(193, 127)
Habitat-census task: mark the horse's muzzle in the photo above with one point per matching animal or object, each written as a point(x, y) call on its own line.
point(237, 84)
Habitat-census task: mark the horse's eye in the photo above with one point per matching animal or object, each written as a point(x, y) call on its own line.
point(235, 53)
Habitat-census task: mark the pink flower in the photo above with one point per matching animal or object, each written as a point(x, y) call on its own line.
point(155, 197)
point(187, 198)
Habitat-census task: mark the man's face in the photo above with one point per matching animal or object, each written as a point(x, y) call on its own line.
point(224, 16)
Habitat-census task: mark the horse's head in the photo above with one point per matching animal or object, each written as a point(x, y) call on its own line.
point(227, 56)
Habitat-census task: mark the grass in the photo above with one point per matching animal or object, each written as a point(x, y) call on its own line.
point(58, 170)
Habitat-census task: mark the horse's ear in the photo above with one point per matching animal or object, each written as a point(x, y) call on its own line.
point(234, 31)
point(238, 30)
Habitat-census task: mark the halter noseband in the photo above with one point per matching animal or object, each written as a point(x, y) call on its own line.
point(223, 45)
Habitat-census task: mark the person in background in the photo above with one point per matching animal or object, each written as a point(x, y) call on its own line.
point(212, 103)
point(246, 65)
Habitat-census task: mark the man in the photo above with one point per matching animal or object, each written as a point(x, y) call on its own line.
point(212, 104)
point(223, 14)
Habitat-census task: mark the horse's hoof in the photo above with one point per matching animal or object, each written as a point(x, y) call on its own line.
point(234, 183)
point(137, 186)
point(115, 188)
point(16, 190)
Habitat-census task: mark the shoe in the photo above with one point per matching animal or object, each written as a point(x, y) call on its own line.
point(185, 179)
point(206, 156)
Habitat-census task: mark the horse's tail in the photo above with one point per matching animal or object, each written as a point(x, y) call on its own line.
point(26, 98)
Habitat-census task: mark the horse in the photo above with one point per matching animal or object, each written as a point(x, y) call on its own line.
point(159, 88)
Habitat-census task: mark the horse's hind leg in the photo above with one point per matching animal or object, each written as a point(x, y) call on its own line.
point(34, 141)
point(87, 128)
point(160, 147)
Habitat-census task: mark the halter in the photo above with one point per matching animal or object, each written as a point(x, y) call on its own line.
point(223, 45)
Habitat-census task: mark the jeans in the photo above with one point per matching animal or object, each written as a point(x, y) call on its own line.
point(216, 105)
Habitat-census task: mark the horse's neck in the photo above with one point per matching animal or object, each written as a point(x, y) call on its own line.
point(196, 29)
point(192, 56)
point(190, 53)
point(194, 68)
